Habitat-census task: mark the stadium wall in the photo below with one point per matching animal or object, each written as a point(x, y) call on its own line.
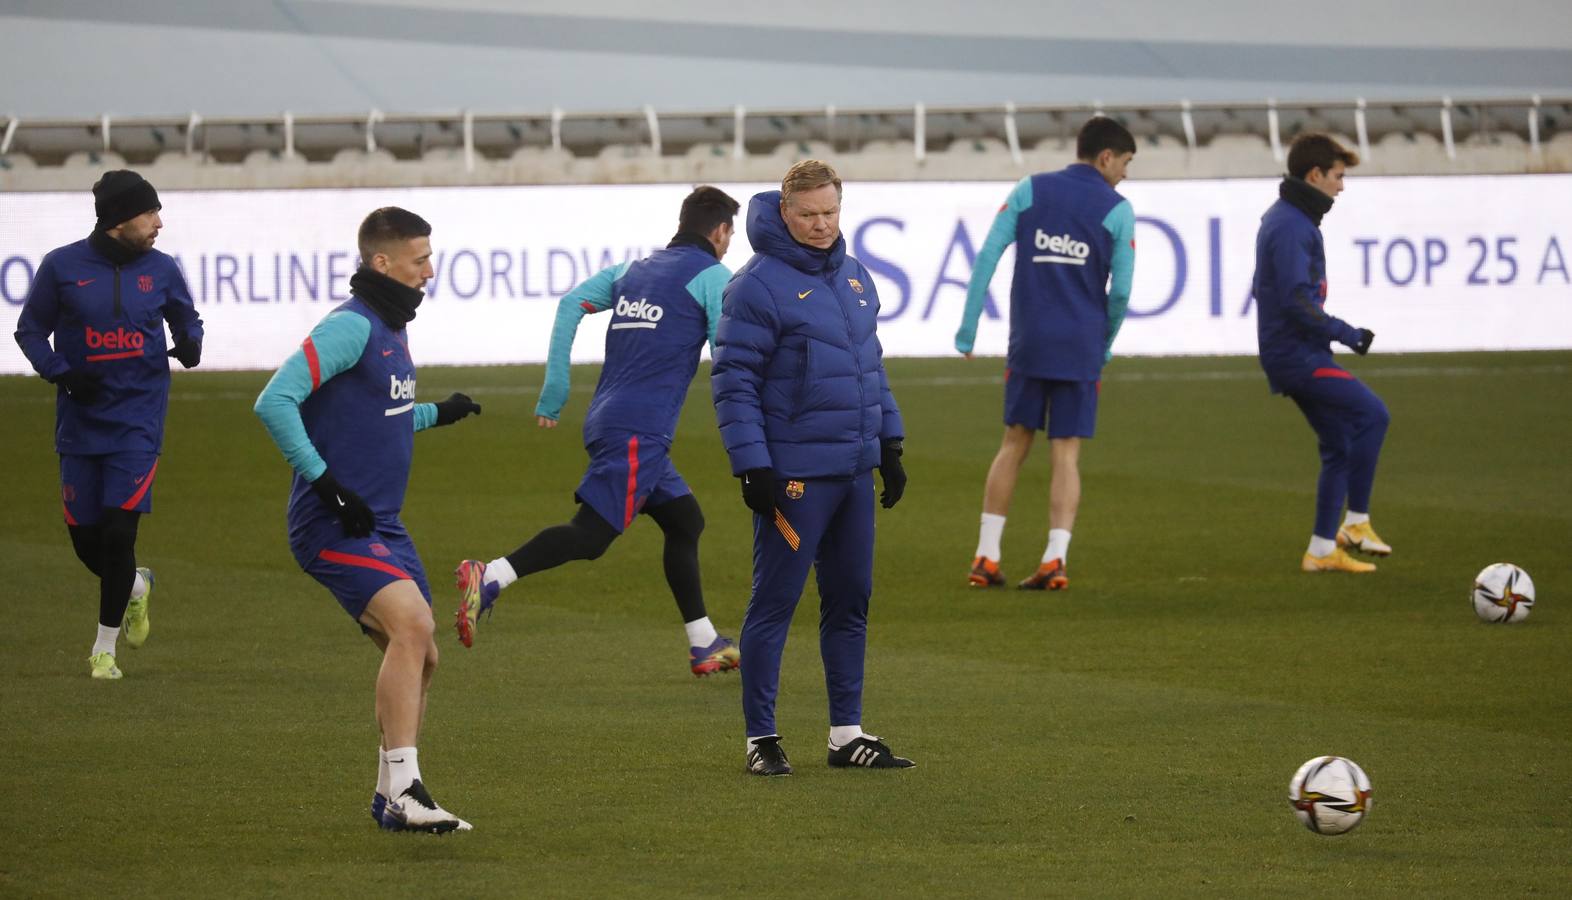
point(1429, 264)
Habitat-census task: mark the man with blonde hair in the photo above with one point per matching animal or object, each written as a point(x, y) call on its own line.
point(806, 414)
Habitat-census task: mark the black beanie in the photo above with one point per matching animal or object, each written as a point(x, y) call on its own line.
point(122, 195)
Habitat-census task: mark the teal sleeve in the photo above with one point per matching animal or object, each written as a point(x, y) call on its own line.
point(1120, 223)
point(592, 296)
point(334, 346)
point(706, 288)
point(425, 416)
point(1000, 236)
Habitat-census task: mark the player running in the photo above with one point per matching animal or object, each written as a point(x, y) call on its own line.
point(105, 300)
point(342, 409)
point(664, 308)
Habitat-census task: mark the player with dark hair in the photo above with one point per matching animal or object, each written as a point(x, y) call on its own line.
point(664, 308)
point(806, 414)
point(1295, 335)
point(105, 300)
point(1074, 239)
point(342, 409)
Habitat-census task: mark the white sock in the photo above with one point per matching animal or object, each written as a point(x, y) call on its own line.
point(139, 587)
point(1320, 546)
point(700, 632)
point(989, 535)
point(382, 772)
point(755, 740)
point(841, 735)
point(1353, 518)
point(1058, 545)
point(500, 571)
point(403, 769)
point(107, 635)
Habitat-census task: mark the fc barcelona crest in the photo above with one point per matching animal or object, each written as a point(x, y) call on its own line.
point(794, 490)
point(144, 283)
point(855, 284)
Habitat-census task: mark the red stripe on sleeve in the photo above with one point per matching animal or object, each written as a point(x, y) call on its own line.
point(633, 479)
point(147, 482)
point(313, 363)
point(70, 519)
point(364, 562)
point(1331, 373)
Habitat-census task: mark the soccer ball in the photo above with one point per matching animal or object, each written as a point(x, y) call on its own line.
point(1503, 593)
point(1330, 795)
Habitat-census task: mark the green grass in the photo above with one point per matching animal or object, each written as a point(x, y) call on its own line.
point(1133, 737)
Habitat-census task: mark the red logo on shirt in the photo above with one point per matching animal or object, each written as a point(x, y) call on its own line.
point(119, 339)
point(380, 550)
point(84, 282)
point(145, 283)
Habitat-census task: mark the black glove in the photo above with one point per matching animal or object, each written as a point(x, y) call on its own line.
point(352, 512)
point(188, 351)
point(81, 386)
point(893, 472)
point(758, 491)
point(456, 407)
point(1361, 346)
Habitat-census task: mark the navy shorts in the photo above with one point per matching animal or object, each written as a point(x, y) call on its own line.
point(355, 569)
point(627, 474)
point(89, 484)
point(1069, 408)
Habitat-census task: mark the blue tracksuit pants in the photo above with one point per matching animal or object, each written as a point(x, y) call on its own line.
point(1350, 422)
point(833, 524)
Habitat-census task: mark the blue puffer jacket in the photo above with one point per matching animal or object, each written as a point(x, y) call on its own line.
point(799, 379)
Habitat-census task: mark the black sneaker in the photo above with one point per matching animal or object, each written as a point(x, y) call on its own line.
point(867, 752)
point(765, 757)
point(414, 810)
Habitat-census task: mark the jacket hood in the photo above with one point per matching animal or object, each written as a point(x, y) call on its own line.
point(768, 235)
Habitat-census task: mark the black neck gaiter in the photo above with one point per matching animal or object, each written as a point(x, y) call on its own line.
point(392, 301)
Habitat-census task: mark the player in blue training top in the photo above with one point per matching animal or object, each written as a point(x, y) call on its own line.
point(1074, 239)
point(806, 414)
point(106, 299)
point(342, 409)
point(1295, 336)
point(663, 309)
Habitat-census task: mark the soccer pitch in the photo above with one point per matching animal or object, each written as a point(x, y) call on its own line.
point(1132, 737)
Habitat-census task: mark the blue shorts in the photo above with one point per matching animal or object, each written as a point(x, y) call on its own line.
point(1069, 407)
point(355, 569)
point(627, 474)
point(89, 484)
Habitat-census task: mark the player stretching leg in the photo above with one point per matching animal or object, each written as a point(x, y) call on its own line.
point(342, 409)
point(664, 308)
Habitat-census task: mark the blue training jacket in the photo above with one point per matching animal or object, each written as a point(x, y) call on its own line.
point(799, 380)
point(107, 320)
point(664, 308)
point(1293, 332)
point(1074, 238)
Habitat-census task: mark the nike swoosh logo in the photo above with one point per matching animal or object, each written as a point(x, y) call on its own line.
point(340, 500)
point(398, 762)
point(137, 480)
point(82, 283)
point(803, 295)
point(387, 352)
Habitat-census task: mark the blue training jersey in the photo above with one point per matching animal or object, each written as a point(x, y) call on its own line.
point(664, 308)
point(1074, 238)
point(345, 401)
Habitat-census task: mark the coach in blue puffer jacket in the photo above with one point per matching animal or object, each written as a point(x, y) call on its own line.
point(806, 413)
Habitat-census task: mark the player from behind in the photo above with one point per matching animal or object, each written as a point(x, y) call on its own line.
point(105, 300)
point(664, 308)
point(1074, 238)
point(1295, 334)
point(342, 409)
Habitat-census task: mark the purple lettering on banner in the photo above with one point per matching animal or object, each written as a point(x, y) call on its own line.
point(1364, 245)
point(552, 284)
point(1435, 255)
point(1181, 268)
point(503, 271)
point(5, 279)
point(453, 274)
point(298, 271)
point(225, 274)
point(251, 282)
point(1553, 249)
point(334, 275)
point(963, 240)
point(524, 290)
point(1214, 236)
point(1413, 261)
point(438, 269)
point(878, 265)
point(202, 262)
